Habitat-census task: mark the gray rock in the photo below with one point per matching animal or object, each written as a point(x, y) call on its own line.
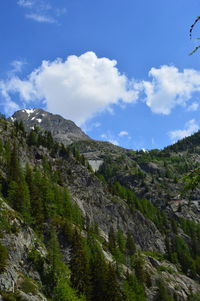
point(18, 245)
point(62, 130)
point(30, 297)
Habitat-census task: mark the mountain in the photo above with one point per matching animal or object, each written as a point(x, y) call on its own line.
point(121, 229)
point(63, 130)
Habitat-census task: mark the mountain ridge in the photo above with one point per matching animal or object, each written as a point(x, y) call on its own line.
point(65, 131)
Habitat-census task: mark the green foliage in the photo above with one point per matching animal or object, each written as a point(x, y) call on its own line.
point(34, 256)
point(1, 147)
point(5, 225)
point(192, 229)
point(112, 241)
point(185, 144)
point(39, 192)
point(59, 274)
point(139, 268)
point(3, 257)
point(132, 289)
point(155, 255)
point(98, 272)
point(145, 206)
point(163, 268)
point(79, 265)
point(64, 292)
point(19, 126)
point(58, 268)
point(191, 181)
point(113, 292)
point(27, 286)
point(130, 245)
point(32, 138)
point(194, 297)
point(36, 138)
point(180, 253)
point(163, 293)
point(9, 296)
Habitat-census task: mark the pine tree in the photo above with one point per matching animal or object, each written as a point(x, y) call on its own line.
point(113, 292)
point(55, 257)
point(79, 265)
point(139, 267)
point(14, 171)
point(130, 245)
point(37, 204)
point(112, 241)
point(163, 293)
point(132, 289)
point(98, 272)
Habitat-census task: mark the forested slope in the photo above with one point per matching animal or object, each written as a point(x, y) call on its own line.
point(68, 233)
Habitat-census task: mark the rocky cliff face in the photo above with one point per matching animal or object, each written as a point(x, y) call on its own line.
point(19, 276)
point(63, 130)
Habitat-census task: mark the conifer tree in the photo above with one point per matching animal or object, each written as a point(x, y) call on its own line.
point(54, 256)
point(132, 289)
point(112, 287)
point(130, 245)
point(98, 272)
point(79, 265)
point(112, 240)
point(14, 166)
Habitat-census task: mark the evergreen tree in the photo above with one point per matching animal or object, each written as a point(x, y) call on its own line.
point(64, 292)
point(132, 289)
point(130, 245)
point(14, 166)
point(163, 293)
point(112, 241)
point(55, 257)
point(32, 138)
point(98, 272)
point(139, 268)
point(79, 265)
point(113, 292)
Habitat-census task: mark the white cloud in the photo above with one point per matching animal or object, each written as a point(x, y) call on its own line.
point(41, 11)
point(170, 87)
point(10, 107)
point(60, 11)
point(82, 86)
point(25, 3)
point(190, 127)
point(193, 107)
point(104, 136)
point(17, 67)
point(96, 124)
point(123, 133)
point(25, 89)
point(6, 102)
point(77, 88)
point(115, 142)
point(91, 126)
point(41, 18)
point(110, 138)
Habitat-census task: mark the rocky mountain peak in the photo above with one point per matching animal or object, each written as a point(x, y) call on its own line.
point(65, 131)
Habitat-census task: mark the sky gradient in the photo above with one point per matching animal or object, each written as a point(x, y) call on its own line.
point(119, 69)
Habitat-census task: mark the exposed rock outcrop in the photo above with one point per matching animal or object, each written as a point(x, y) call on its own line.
point(65, 131)
point(19, 240)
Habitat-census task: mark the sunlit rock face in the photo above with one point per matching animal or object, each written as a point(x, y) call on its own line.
point(62, 130)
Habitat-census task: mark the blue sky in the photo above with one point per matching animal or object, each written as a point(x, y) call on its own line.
point(119, 69)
